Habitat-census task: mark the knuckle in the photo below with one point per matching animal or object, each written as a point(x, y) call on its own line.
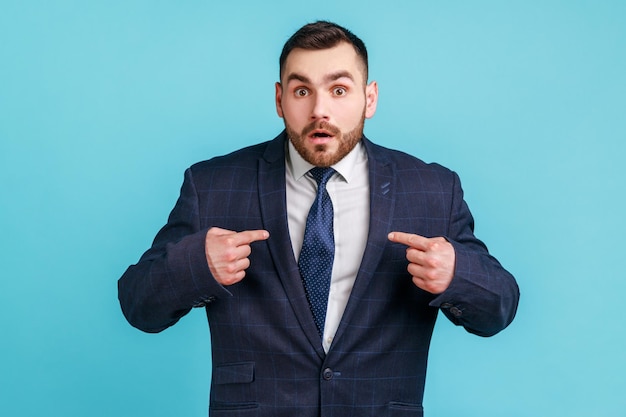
point(230, 281)
point(431, 275)
point(434, 263)
point(230, 255)
point(230, 269)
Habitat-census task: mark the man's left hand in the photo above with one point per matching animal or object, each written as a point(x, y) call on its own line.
point(431, 260)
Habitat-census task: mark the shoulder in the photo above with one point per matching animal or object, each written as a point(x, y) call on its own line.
point(242, 160)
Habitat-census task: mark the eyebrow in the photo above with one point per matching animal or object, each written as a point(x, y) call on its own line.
point(297, 77)
point(337, 75)
point(334, 76)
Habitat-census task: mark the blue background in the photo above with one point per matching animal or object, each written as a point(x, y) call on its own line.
point(104, 104)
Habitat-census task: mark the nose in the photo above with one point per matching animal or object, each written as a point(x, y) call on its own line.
point(320, 108)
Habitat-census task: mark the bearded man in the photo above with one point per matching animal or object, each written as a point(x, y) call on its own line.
point(321, 258)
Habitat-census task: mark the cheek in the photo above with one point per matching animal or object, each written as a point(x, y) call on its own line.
point(293, 108)
point(351, 115)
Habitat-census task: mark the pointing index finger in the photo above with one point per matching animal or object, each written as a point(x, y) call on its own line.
point(248, 236)
point(409, 239)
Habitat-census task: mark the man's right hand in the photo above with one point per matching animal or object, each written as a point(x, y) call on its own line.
point(227, 252)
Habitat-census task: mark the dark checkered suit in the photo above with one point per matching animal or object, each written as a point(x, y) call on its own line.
point(268, 359)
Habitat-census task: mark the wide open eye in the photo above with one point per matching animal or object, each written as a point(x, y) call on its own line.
point(340, 91)
point(301, 92)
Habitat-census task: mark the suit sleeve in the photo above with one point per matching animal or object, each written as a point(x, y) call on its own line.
point(173, 276)
point(482, 296)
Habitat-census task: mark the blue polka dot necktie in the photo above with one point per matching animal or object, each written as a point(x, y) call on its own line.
point(318, 248)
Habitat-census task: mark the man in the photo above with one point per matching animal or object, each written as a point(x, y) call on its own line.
point(321, 286)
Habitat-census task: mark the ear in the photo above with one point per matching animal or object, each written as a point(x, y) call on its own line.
point(371, 99)
point(279, 96)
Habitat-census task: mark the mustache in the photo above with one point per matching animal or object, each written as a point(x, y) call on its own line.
point(334, 130)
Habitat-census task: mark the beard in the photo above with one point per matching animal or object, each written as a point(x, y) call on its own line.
point(321, 155)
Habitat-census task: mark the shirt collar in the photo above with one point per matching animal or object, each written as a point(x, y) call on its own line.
point(345, 167)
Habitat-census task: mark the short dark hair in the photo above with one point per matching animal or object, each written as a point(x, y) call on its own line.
point(323, 35)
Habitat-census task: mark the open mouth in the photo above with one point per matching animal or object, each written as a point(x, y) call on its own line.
point(321, 134)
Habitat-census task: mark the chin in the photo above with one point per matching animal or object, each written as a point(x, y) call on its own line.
point(320, 155)
point(325, 155)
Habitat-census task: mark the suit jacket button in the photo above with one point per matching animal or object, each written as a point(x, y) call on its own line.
point(456, 312)
point(327, 374)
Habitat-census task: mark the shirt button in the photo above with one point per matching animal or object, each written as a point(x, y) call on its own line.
point(327, 374)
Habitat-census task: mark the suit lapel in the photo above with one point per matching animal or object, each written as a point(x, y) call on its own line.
point(382, 198)
point(274, 213)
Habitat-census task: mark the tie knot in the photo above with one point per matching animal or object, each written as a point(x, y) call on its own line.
point(322, 175)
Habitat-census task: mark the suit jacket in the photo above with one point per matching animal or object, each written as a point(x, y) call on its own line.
point(267, 356)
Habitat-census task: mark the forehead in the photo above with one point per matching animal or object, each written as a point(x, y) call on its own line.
point(315, 64)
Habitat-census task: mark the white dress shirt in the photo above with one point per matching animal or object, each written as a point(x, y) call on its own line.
point(349, 192)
